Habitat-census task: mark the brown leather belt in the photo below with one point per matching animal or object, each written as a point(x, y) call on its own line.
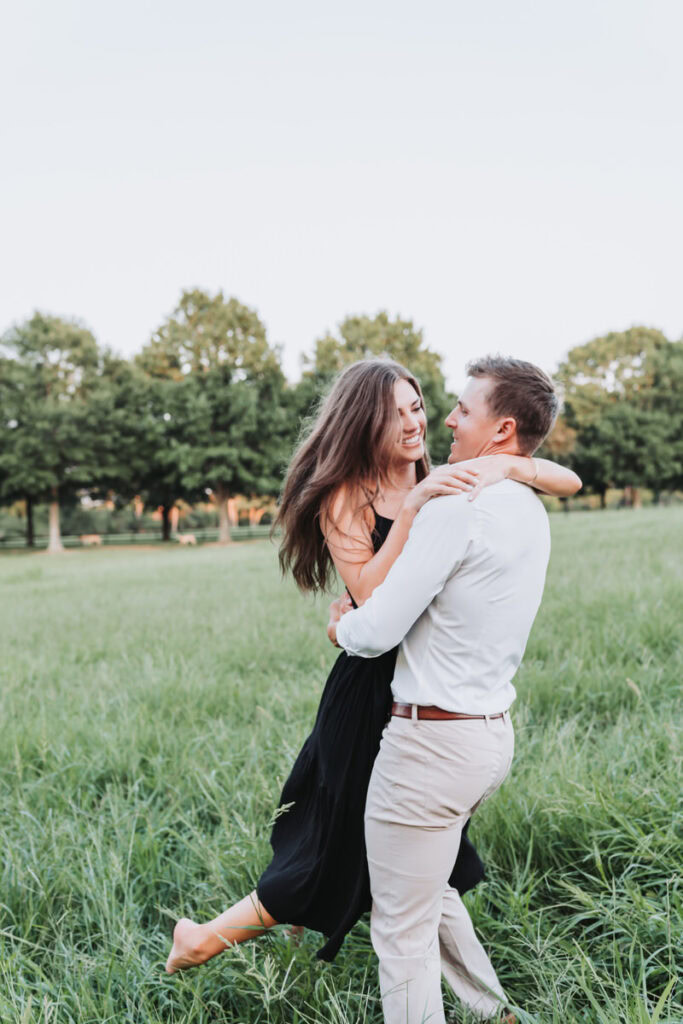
point(435, 714)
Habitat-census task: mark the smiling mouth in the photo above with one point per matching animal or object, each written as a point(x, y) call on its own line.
point(412, 441)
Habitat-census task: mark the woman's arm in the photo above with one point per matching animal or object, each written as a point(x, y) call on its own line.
point(349, 533)
point(349, 541)
point(543, 475)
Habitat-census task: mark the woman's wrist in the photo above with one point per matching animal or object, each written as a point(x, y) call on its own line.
point(508, 464)
point(408, 509)
point(522, 468)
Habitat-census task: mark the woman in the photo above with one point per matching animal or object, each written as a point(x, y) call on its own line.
point(352, 491)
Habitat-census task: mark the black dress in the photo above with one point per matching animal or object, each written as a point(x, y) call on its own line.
point(318, 876)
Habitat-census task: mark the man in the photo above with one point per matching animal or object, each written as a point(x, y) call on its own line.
point(461, 598)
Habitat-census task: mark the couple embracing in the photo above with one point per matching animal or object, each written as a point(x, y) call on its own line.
point(444, 572)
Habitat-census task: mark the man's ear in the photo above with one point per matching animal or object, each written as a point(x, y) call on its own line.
point(507, 429)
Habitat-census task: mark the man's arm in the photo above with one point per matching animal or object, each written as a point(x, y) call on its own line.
point(435, 548)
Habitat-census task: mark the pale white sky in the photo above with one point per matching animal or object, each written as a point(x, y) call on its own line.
point(508, 174)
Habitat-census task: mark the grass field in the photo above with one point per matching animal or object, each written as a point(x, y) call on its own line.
point(152, 702)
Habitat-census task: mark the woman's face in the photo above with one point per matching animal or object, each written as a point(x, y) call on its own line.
point(410, 444)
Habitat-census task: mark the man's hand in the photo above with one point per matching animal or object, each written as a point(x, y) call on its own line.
point(338, 608)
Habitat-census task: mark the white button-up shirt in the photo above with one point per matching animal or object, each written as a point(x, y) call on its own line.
point(460, 599)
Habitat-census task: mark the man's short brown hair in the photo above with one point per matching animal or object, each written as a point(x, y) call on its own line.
point(522, 391)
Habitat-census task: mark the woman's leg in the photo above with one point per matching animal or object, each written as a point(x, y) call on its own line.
point(196, 943)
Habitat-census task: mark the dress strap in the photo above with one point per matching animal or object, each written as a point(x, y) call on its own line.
point(374, 510)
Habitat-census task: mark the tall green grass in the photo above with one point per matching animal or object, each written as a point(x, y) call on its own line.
point(152, 703)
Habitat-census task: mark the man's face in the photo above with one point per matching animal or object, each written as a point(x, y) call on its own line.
point(473, 426)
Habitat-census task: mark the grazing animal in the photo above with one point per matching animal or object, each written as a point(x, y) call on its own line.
point(89, 540)
point(187, 538)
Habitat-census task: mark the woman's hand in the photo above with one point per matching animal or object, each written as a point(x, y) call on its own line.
point(490, 469)
point(443, 480)
point(338, 608)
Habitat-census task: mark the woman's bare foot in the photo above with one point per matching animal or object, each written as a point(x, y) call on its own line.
point(196, 943)
point(186, 950)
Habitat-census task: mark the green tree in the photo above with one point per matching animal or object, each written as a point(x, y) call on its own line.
point(19, 480)
point(593, 456)
point(171, 430)
point(143, 424)
point(620, 403)
point(238, 441)
point(205, 332)
point(363, 337)
point(618, 366)
point(215, 352)
point(628, 447)
point(661, 402)
point(51, 454)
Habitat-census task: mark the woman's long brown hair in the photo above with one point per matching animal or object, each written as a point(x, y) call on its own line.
point(349, 442)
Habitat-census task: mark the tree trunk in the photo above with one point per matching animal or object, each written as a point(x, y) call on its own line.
point(166, 522)
point(222, 498)
point(632, 496)
point(603, 499)
point(30, 533)
point(565, 504)
point(55, 537)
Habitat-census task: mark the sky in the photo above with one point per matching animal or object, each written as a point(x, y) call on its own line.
point(507, 175)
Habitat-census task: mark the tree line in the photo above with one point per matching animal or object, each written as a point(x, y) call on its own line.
point(205, 412)
point(622, 418)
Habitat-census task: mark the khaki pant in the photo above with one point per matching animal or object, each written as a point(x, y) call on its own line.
point(428, 779)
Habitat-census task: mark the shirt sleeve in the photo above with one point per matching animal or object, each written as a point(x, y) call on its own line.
point(436, 546)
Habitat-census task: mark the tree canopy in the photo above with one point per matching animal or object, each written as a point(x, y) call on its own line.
point(216, 352)
point(615, 367)
point(623, 403)
point(51, 367)
point(206, 332)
